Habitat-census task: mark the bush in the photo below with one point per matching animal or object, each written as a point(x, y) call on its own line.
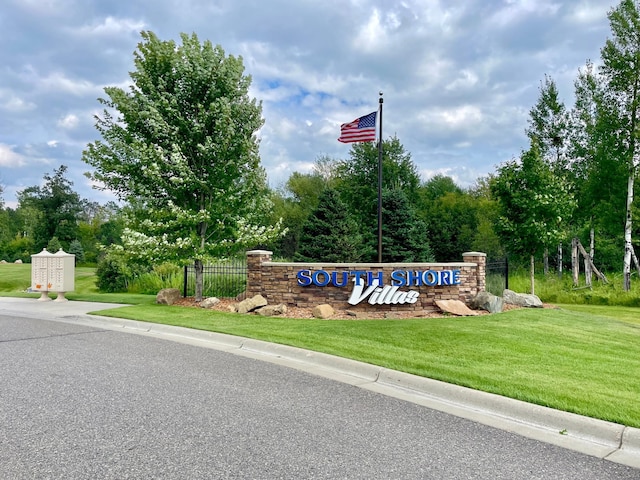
point(114, 273)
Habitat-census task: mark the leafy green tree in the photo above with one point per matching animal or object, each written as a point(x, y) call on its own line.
point(548, 123)
point(293, 204)
point(52, 209)
point(183, 147)
point(621, 71)
point(533, 205)
point(330, 233)
point(452, 221)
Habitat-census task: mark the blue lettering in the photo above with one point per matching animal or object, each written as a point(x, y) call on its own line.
point(334, 279)
point(456, 277)
point(321, 283)
point(398, 279)
point(371, 276)
point(357, 276)
point(430, 278)
point(445, 277)
point(413, 278)
point(304, 278)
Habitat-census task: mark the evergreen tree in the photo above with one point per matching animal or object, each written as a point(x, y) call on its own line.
point(330, 234)
point(404, 237)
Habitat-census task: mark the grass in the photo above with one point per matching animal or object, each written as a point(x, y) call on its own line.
point(579, 358)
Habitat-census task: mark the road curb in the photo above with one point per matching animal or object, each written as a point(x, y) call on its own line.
point(606, 440)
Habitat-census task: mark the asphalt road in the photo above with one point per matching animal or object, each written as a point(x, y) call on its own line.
point(78, 402)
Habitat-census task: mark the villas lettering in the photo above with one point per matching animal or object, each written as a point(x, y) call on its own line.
point(375, 292)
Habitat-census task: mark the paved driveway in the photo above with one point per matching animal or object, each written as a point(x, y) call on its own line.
point(78, 402)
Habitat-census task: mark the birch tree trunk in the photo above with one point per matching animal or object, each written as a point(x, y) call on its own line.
point(532, 273)
point(560, 260)
point(628, 247)
point(575, 262)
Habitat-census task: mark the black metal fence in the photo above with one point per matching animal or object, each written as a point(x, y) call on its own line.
point(497, 276)
point(223, 279)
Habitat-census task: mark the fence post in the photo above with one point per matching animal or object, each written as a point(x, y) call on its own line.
point(184, 284)
point(506, 273)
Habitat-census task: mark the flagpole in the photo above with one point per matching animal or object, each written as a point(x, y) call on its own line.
point(380, 101)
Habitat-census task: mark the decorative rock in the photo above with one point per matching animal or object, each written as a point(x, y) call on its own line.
point(168, 296)
point(323, 311)
point(272, 310)
point(3, 261)
point(209, 302)
point(521, 299)
point(241, 296)
point(18, 261)
point(486, 301)
point(233, 308)
point(455, 307)
point(251, 304)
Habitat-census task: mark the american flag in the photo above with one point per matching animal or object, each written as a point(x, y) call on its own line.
point(362, 129)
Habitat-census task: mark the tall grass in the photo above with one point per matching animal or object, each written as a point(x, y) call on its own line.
point(554, 289)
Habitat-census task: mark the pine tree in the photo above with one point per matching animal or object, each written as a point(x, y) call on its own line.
point(330, 233)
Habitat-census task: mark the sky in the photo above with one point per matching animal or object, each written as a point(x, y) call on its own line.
point(458, 77)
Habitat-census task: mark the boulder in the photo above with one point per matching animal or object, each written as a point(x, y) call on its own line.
point(272, 310)
point(521, 299)
point(486, 301)
point(251, 304)
point(323, 311)
point(455, 307)
point(209, 302)
point(18, 261)
point(168, 296)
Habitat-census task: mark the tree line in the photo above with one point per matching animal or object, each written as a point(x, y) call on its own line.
point(179, 149)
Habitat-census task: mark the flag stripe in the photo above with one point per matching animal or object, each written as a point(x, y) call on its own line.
point(362, 129)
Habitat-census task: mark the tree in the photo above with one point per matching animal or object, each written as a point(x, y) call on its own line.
point(183, 148)
point(621, 70)
point(330, 234)
point(404, 236)
point(534, 203)
point(52, 209)
point(294, 203)
point(357, 178)
point(548, 123)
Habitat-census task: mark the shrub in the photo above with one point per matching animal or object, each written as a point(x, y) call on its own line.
point(114, 273)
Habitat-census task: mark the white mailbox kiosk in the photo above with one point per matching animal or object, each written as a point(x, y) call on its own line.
point(53, 273)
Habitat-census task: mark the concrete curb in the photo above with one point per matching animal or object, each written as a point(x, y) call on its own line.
point(593, 437)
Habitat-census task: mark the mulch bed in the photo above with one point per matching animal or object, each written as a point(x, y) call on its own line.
point(296, 312)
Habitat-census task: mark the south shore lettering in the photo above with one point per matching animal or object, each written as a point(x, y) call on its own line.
point(369, 285)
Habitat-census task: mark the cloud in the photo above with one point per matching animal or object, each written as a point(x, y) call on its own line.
point(9, 158)
point(68, 122)
point(110, 27)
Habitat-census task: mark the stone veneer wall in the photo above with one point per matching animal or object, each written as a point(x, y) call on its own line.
point(277, 282)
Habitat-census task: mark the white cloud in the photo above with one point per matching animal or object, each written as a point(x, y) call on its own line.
point(13, 103)
point(9, 158)
point(68, 122)
point(110, 27)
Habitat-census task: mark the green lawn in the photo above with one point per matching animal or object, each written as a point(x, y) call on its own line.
point(579, 358)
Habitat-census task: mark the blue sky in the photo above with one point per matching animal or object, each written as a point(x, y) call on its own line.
point(459, 77)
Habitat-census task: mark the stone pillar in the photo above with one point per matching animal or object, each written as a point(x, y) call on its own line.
point(255, 259)
point(480, 259)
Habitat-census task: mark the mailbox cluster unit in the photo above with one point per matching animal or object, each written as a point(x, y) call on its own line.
point(53, 272)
